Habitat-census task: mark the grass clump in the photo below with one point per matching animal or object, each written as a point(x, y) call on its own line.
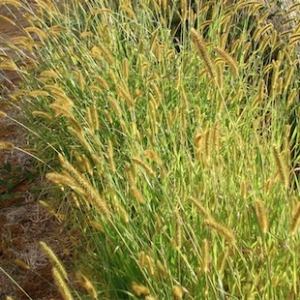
point(177, 166)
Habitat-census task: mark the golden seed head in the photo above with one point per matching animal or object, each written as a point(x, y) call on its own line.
point(227, 233)
point(177, 292)
point(54, 260)
point(61, 284)
point(205, 255)
point(295, 219)
point(261, 215)
point(6, 145)
point(139, 290)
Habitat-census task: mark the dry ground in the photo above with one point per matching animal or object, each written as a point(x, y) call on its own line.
point(25, 272)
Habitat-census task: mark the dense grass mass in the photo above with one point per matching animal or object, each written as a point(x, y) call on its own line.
point(176, 162)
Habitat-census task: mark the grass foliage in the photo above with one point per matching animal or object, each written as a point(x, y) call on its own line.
point(176, 163)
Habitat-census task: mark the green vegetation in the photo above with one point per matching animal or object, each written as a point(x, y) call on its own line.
point(177, 167)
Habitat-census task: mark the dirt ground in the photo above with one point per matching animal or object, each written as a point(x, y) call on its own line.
point(25, 272)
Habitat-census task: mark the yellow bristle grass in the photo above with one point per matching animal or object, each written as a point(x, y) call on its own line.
point(279, 87)
point(92, 194)
point(125, 68)
point(178, 229)
point(205, 255)
point(86, 165)
point(80, 80)
point(3, 114)
point(62, 179)
point(208, 142)
point(252, 5)
point(110, 156)
point(183, 121)
point(6, 145)
point(46, 206)
point(282, 167)
point(215, 135)
point(14, 3)
point(141, 259)
point(149, 263)
point(60, 110)
point(200, 45)
point(114, 104)
point(222, 260)
point(153, 40)
point(263, 44)
point(144, 166)
point(232, 63)
point(199, 141)
point(119, 207)
point(293, 95)
point(124, 94)
point(275, 74)
point(261, 31)
point(268, 186)
point(96, 225)
point(80, 137)
point(183, 10)
point(106, 54)
point(92, 118)
point(294, 8)
point(54, 260)
point(21, 263)
point(112, 76)
point(157, 93)
point(61, 284)
point(289, 74)
point(261, 214)
point(62, 104)
point(285, 34)
point(201, 209)
point(38, 93)
point(87, 284)
point(150, 298)
point(123, 213)
point(183, 98)
point(295, 219)
point(130, 174)
point(137, 194)
point(152, 155)
point(187, 265)
point(8, 66)
point(261, 95)
point(48, 74)
point(139, 290)
point(129, 11)
point(177, 292)
point(224, 231)
point(162, 269)
point(102, 81)
point(244, 189)
point(294, 38)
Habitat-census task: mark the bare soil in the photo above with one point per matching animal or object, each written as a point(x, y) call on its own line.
point(25, 271)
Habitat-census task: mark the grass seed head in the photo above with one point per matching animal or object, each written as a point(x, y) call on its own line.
point(61, 284)
point(295, 219)
point(198, 41)
point(54, 260)
point(139, 290)
point(205, 255)
point(261, 214)
point(177, 292)
point(225, 232)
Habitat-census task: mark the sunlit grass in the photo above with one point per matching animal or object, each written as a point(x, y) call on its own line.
point(176, 165)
